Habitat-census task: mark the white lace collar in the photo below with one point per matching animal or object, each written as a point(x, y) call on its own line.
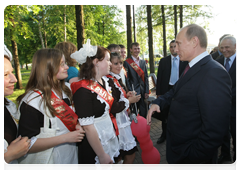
point(115, 75)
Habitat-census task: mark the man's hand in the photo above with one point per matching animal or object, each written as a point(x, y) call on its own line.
point(153, 108)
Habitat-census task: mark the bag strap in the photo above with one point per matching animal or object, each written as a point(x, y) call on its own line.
point(47, 112)
point(46, 119)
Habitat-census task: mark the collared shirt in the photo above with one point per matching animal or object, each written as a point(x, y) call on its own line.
point(177, 64)
point(136, 60)
point(198, 58)
point(232, 58)
point(117, 76)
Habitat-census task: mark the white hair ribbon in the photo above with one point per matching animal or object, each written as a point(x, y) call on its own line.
point(87, 51)
point(7, 52)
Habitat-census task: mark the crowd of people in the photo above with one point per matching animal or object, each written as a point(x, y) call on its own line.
point(68, 116)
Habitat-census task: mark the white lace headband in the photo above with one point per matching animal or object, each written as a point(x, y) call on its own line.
point(7, 52)
point(87, 51)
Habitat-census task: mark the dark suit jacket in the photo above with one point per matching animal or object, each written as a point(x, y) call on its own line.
point(232, 73)
point(200, 103)
point(215, 55)
point(164, 73)
point(133, 78)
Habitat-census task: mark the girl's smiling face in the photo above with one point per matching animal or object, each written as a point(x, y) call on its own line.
point(62, 73)
point(9, 78)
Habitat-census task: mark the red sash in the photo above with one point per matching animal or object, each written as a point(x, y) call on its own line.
point(95, 87)
point(117, 83)
point(63, 112)
point(136, 68)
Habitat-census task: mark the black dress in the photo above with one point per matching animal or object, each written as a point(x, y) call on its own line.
point(10, 127)
point(88, 106)
point(31, 120)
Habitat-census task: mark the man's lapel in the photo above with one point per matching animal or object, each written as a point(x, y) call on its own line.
point(141, 64)
point(233, 67)
point(191, 72)
point(221, 60)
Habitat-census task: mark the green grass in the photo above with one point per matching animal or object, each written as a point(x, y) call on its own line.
point(18, 92)
point(24, 70)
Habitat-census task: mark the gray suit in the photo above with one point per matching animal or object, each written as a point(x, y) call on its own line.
point(139, 86)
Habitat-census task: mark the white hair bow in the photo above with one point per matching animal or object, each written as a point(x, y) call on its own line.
point(7, 52)
point(87, 51)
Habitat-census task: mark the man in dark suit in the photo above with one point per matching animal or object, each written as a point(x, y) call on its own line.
point(228, 60)
point(169, 70)
point(218, 53)
point(138, 77)
point(200, 102)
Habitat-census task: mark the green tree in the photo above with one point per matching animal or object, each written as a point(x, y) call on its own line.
point(33, 27)
point(13, 26)
point(80, 25)
point(150, 39)
point(102, 24)
point(189, 14)
point(129, 29)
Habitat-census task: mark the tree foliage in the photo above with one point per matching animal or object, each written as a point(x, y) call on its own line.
point(38, 26)
point(190, 14)
point(103, 26)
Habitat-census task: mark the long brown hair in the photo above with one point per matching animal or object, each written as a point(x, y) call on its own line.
point(45, 66)
point(67, 48)
point(87, 70)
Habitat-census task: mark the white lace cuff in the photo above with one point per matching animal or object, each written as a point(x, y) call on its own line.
point(86, 121)
point(5, 146)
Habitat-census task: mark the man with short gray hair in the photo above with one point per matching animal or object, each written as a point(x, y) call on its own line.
point(228, 60)
point(218, 53)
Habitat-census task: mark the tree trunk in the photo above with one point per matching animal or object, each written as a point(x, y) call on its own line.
point(164, 32)
point(150, 39)
point(15, 56)
point(65, 23)
point(99, 29)
point(26, 66)
point(129, 29)
point(134, 27)
point(16, 64)
point(80, 25)
point(181, 16)
point(40, 32)
point(175, 20)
